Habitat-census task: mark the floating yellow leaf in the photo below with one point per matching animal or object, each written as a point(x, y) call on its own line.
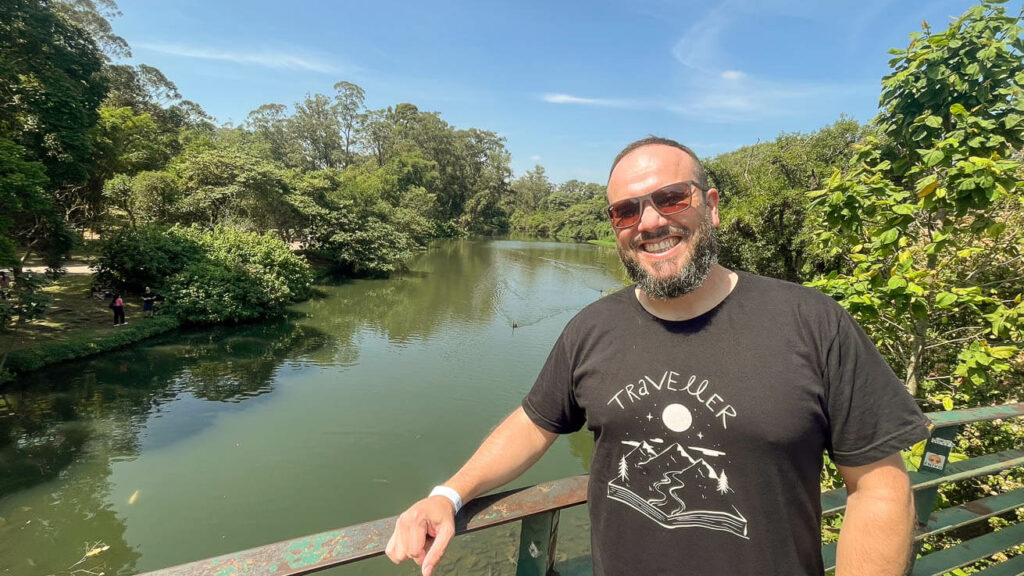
point(133, 497)
point(97, 550)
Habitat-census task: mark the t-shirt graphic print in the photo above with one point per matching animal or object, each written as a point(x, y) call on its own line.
point(674, 483)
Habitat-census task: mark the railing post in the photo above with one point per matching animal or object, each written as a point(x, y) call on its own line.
point(933, 461)
point(537, 541)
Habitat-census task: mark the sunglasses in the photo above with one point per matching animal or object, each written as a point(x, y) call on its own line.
point(671, 199)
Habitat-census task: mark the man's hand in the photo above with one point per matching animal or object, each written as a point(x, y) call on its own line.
point(423, 532)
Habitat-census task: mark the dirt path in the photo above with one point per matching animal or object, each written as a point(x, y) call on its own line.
point(76, 268)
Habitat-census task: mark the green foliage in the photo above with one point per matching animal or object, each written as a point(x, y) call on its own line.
point(208, 276)
point(22, 195)
point(283, 276)
point(133, 258)
point(764, 205)
point(226, 182)
point(927, 213)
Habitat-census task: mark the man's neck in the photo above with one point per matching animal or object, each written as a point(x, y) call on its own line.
point(719, 284)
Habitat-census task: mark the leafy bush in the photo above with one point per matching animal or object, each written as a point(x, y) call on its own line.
point(210, 293)
point(208, 276)
point(134, 258)
point(284, 277)
point(241, 276)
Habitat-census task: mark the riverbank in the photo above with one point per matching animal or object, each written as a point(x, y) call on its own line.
point(76, 325)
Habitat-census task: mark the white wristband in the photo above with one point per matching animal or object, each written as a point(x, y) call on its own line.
point(449, 494)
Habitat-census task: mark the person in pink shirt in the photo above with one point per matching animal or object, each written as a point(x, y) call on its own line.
point(117, 305)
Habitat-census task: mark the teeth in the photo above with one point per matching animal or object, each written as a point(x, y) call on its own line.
point(661, 246)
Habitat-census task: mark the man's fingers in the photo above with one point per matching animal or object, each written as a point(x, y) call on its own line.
point(444, 535)
point(408, 540)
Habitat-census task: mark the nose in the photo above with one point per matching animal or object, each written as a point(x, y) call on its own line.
point(650, 218)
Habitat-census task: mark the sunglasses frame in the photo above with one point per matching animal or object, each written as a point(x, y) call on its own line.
point(649, 197)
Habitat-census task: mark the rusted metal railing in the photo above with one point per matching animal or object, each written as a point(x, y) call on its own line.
point(537, 507)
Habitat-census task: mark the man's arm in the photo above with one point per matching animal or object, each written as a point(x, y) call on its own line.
point(512, 448)
point(878, 526)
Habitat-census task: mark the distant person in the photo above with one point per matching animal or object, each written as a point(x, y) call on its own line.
point(5, 285)
point(117, 305)
point(148, 302)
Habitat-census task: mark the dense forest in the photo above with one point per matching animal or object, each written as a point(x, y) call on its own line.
point(912, 221)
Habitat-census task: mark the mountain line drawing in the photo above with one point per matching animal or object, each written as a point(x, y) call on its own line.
point(676, 487)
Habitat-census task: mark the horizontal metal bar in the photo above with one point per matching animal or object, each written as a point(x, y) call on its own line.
point(833, 501)
point(1012, 567)
point(971, 468)
point(971, 512)
point(943, 561)
point(337, 547)
point(980, 414)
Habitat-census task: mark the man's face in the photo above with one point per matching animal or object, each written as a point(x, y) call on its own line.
point(667, 256)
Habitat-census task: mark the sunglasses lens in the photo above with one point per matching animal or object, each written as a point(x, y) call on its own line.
point(625, 213)
point(673, 199)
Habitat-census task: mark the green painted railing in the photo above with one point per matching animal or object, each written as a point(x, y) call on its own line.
point(537, 508)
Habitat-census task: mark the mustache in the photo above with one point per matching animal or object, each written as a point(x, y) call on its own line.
point(662, 232)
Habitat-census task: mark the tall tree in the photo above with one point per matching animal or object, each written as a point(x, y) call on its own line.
point(348, 102)
point(318, 133)
point(928, 213)
point(50, 90)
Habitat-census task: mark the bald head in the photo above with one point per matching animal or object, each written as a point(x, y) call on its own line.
point(697, 169)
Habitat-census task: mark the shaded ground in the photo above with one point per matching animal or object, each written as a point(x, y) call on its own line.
point(73, 313)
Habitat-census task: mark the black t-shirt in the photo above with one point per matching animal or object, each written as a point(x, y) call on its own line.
point(710, 431)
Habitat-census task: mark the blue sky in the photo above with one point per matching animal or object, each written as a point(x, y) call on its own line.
point(567, 84)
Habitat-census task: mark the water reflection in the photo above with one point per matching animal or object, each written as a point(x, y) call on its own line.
point(210, 441)
point(62, 429)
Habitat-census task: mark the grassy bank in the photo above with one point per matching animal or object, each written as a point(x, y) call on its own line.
point(76, 325)
point(606, 242)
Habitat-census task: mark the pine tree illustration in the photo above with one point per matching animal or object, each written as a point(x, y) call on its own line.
point(723, 483)
point(623, 474)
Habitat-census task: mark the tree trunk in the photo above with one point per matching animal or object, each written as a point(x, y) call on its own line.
point(916, 354)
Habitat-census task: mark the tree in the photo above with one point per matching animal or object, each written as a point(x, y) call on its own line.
point(50, 87)
point(348, 101)
point(928, 214)
point(764, 199)
point(317, 131)
point(270, 123)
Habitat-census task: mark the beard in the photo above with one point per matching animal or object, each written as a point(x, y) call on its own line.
point(692, 274)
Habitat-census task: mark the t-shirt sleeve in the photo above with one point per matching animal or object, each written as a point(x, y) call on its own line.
point(551, 403)
point(871, 415)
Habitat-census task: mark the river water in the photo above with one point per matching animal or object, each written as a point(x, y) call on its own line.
point(211, 441)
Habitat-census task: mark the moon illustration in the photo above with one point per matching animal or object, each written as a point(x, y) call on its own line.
point(677, 417)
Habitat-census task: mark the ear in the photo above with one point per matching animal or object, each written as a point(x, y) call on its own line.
point(711, 203)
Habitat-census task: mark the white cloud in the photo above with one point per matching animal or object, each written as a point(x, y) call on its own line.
point(266, 59)
point(729, 94)
point(535, 158)
point(603, 102)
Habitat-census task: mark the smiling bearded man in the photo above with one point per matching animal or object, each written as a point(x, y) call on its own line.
point(690, 276)
point(712, 395)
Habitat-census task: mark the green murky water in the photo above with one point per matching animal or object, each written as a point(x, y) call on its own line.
point(207, 442)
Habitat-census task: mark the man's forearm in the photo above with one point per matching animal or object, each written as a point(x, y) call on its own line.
point(877, 534)
point(507, 452)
